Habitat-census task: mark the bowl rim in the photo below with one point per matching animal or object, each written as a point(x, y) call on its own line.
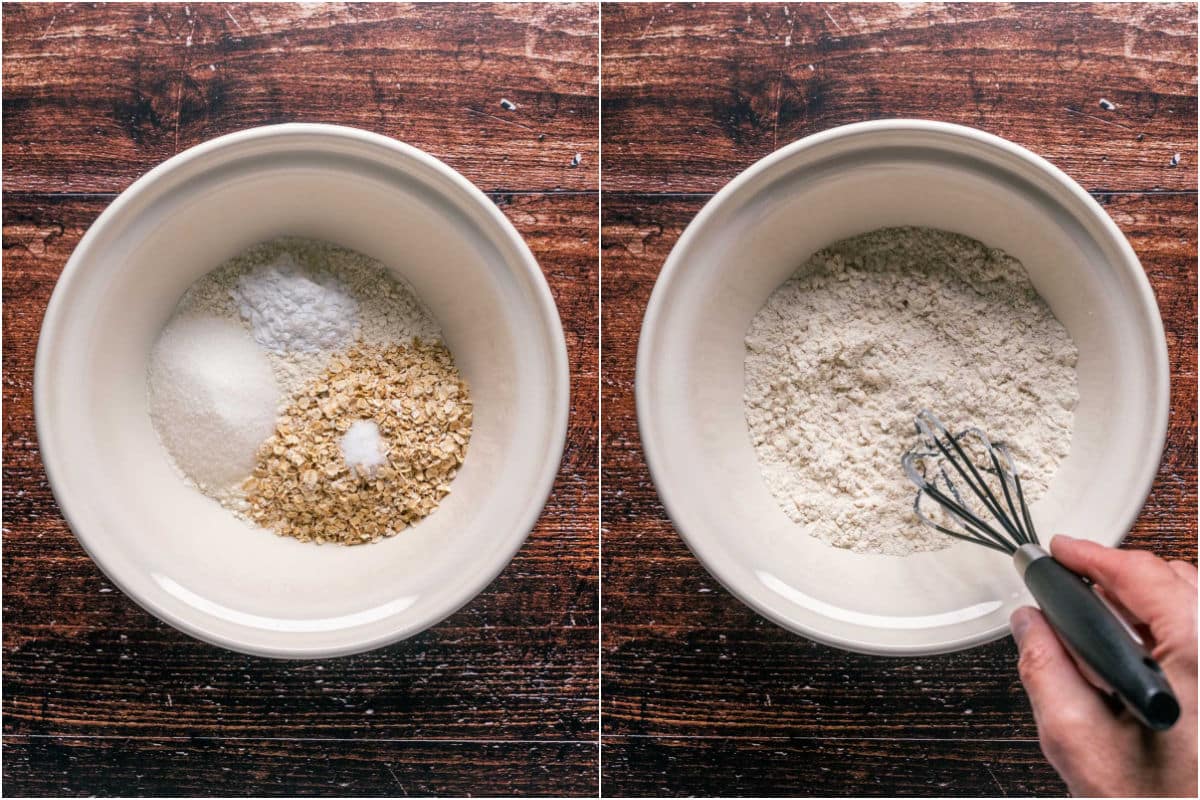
point(675, 262)
point(459, 192)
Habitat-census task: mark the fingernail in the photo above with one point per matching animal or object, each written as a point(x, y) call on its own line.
point(1062, 537)
point(1019, 621)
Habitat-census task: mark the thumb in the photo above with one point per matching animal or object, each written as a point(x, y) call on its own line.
point(1067, 708)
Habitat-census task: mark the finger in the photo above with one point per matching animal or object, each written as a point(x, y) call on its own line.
point(1139, 627)
point(1141, 581)
point(1068, 710)
point(1184, 570)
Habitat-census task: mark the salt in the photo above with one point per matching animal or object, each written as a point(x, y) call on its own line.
point(362, 446)
point(213, 399)
point(291, 308)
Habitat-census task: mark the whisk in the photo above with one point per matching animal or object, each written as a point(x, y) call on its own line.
point(978, 495)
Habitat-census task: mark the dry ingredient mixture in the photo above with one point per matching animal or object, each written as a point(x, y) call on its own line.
point(308, 391)
point(868, 332)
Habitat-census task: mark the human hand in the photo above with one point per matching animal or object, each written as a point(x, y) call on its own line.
point(1097, 752)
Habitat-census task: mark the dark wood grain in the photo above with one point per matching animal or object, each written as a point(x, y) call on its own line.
point(829, 767)
point(94, 95)
point(100, 697)
point(701, 695)
point(57, 767)
point(694, 93)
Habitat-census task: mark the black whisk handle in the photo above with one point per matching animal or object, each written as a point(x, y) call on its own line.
point(1100, 639)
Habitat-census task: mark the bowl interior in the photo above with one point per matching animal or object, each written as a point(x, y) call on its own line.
point(178, 552)
point(749, 241)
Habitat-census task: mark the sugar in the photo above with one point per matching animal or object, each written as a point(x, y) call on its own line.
point(213, 399)
point(362, 445)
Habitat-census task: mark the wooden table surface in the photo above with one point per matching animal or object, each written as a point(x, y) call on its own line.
point(100, 697)
point(701, 695)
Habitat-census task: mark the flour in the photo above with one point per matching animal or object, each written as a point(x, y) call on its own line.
point(305, 300)
point(868, 332)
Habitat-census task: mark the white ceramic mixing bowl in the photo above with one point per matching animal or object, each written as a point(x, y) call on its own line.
point(753, 235)
point(178, 553)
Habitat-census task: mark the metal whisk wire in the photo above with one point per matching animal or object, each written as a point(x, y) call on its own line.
point(1002, 525)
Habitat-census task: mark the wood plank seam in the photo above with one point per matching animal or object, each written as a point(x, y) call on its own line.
point(1093, 192)
point(358, 739)
point(735, 737)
